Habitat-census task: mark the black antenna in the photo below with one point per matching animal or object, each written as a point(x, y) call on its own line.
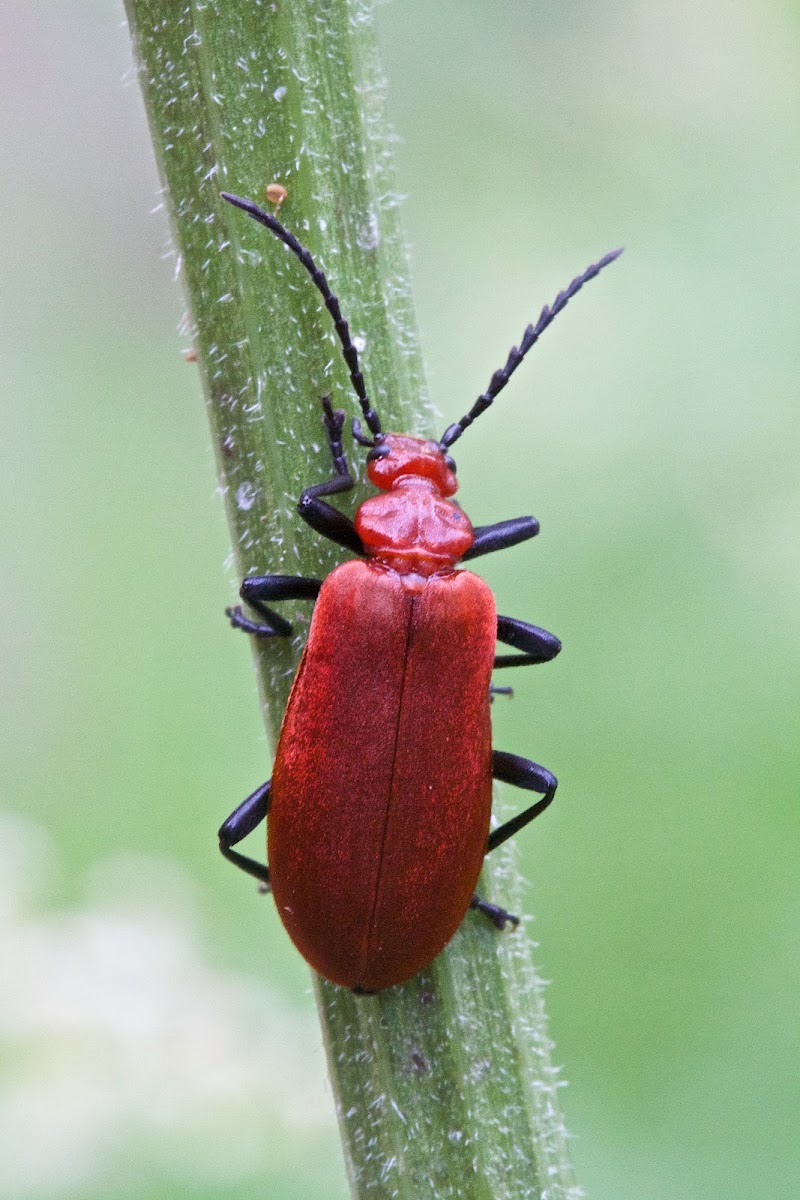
point(529, 338)
point(331, 303)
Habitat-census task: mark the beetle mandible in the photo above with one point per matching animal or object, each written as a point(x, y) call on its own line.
point(379, 804)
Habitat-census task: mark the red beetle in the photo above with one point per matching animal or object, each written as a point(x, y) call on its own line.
point(380, 799)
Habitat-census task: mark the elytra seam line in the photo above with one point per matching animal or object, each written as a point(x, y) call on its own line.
point(374, 914)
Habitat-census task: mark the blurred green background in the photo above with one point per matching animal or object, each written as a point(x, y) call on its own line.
point(157, 1033)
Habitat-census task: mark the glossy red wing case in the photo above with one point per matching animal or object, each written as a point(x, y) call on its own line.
point(381, 789)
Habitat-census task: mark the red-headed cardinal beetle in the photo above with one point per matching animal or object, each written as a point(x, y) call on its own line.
point(380, 799)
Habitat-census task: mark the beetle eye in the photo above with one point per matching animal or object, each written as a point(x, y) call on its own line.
point(448, 462)
point(379, 451)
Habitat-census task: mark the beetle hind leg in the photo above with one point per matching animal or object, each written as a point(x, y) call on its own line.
point(250, 813)
point(498, 916)
point(511, 768)
point(522, 773)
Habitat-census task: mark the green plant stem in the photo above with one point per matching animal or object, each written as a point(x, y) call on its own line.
point(444, 1086)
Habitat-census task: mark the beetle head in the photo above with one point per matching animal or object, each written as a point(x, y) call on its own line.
point(396, 455)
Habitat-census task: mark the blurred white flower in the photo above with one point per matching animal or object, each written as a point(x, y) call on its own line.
point(121, 1046)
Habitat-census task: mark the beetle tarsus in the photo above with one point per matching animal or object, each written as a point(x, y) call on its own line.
point(498, 916)
point(333, 420)
point(239, 621)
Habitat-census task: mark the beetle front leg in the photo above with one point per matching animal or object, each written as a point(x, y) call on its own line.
point(522, 773)
point(250, 813)
point(537, 645)
point(257, 589)
point(501, 535)
point(322, 517)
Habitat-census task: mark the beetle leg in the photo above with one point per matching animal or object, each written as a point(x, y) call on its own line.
point(537, 644)
point(250, 813)
point(498, 916)
point(511, 768)
point(501, 535)
point(256, 589)
point(322, 517)
point(327, 520)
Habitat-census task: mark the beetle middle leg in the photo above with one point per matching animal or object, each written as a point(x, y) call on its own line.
point(250, 813)
point(537, 645)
